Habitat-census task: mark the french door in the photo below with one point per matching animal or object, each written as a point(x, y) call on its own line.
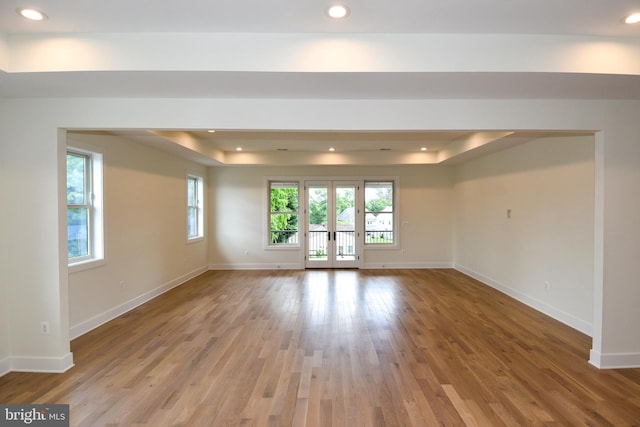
point(333, 237)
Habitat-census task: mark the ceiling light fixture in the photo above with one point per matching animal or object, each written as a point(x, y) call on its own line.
point(211, 131)
point(332, 149)
point(634, 18)
point(32, 14)
point(238, 148)
point(423, 148)
point(338, 11)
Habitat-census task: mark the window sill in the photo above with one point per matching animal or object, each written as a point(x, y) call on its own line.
point(282, 248)
point(86, 265)
point(195, 240)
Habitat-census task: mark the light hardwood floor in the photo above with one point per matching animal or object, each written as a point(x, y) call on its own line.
point(334, 348)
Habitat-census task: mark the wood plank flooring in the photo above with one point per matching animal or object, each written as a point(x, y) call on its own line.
point(334, 348)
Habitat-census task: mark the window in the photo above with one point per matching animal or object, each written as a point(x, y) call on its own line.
point(283, 213)
point(379, 213)
point(84, 207)
point(195, 212)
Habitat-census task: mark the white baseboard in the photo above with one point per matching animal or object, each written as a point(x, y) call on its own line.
point(55, 365)
point(405, 265)
point(614, 360)
point(257, 266)
point(296, 266)
point(90, 324)
point(549, 310)
point(5, 366)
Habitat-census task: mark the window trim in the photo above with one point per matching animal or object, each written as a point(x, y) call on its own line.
point(300, 180)
point(87, 204)
point(267, 214)
point(199, 206)
point(95, 204)
point(396, 217)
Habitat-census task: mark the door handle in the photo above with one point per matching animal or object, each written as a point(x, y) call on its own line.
point(329, 235)
point(334, 235)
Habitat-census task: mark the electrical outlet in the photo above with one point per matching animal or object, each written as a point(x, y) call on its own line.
point(44, 328)
point(121, 284)
point(546, 285)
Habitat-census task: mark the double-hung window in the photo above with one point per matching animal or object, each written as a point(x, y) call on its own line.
point(284, 201)
point(380, 218)
point(84, 207)
point(195, 211)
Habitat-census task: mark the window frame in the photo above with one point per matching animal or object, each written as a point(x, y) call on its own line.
point(198, 206)
point(94, 204)
point(394, 212)
point(269, 213)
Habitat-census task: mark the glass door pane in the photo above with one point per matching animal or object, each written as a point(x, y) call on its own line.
point(345, 223)
point(317, 225)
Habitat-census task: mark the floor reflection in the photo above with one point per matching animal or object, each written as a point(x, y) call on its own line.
point(344, 295)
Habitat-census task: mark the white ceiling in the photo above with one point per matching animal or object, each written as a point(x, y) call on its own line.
point(597, 20)
point(228, 141)
point(309, 148)
point(585, 17)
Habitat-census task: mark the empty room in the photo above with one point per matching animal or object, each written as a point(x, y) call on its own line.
point(230, 215)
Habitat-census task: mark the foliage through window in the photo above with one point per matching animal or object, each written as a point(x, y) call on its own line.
point(283, 213)
point(379, 213)
point(84, 206)
point(195, 212)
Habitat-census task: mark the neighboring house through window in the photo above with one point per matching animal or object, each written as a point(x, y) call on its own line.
point(379, 213)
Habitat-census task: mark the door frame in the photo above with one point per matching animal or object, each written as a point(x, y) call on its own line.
point(331, 260)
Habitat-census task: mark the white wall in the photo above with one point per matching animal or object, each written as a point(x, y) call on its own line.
point(5, 348)
point(5, 183)
point(549, 187)
point(35, 291)
point(145, 234)
point(617, 301)
point(238, 199)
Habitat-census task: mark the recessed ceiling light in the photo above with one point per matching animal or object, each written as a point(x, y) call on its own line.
point(338, 11)
point(32, 14)
point(238, 148)
point(211, 131)
point(633, 18)
point(423, 148)
point(332, 149)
